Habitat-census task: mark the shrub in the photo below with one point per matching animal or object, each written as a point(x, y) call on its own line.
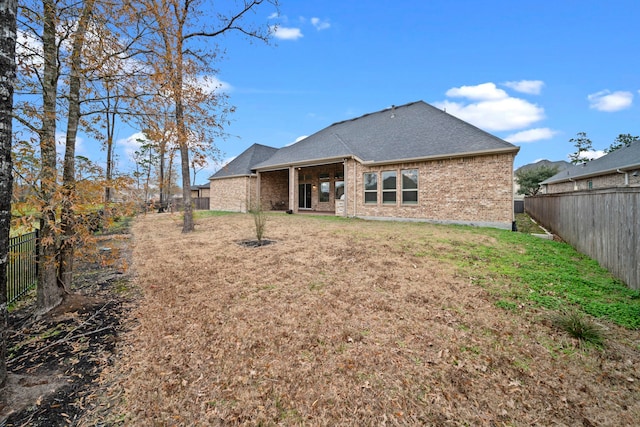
point(260, 221)
point(579, 326)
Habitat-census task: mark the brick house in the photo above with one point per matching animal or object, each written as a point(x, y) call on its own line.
point(412, 162)
point(620, 168)
point(233, 187)
point(199, 191)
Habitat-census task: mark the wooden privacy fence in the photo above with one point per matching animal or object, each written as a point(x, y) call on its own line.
point(201, 203)
point(198, 203)
point(22, 265)
point(603, 224)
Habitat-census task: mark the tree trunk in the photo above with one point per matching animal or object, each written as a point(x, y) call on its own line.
point(162, 178)
point(49, 293)
point(8, 11)
point(109, 171)
point(68, 219)
point(169, 182)
point(183, 143)
point(111, 113)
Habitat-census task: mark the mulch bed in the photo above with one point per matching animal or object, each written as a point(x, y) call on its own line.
point(256, 243)
point(54, 362)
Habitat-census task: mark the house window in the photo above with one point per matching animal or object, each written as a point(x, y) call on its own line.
point(590, 185)
point(410, 187)
point(304, 177)
point(389, 187)
point(371, 188)
point(339, 189)
point(323, 194)
point(325, 187)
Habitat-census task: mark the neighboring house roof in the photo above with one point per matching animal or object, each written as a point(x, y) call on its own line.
point(560, 164)
point(409, 132)
point(625, 159)
point(200, 187)
point(244, 163)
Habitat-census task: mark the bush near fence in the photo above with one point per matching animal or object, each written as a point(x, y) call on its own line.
point(22, 265)
point(603, 224)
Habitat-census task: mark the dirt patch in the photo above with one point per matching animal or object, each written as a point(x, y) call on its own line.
point(54, 361)
point(342, 323)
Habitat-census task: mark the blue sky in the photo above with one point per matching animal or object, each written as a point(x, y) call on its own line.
point(532, 72)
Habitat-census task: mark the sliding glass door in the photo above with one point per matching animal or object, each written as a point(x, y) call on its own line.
point(304, 196)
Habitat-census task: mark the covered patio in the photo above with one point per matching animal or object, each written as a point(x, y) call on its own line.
point(304, 189)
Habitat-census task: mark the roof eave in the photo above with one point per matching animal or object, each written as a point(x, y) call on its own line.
point(627, 168)
point(245, 175)
point(506, 150)
point(305, 163)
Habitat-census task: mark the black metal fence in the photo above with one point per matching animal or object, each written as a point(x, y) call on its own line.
point(22, 265)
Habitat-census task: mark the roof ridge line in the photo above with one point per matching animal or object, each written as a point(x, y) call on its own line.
point(343, 142)
point(376, 112)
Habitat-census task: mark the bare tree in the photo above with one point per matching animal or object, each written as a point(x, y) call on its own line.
point(69, 236)
point(181, 25)
point(53, 84)
point(8, 12)
point(49, 291)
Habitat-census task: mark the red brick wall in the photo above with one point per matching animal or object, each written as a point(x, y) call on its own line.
point(231, 194)
point(467, 190)
point(274, 189)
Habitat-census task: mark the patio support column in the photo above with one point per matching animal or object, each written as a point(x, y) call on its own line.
point(293, 181)
point(258, 202)
point(345, 178)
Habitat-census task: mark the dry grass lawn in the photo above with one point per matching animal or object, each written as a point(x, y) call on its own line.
point(340, 323)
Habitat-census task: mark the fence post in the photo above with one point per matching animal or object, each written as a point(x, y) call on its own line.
point(37, 253)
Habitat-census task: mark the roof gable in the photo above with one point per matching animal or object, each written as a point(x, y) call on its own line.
point(244, 164)
point(624, 159)
point(411, 131)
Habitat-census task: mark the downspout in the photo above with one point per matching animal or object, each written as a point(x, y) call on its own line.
point(257, 190)
point(626, 177)
point(355, 198)
point(345, 172)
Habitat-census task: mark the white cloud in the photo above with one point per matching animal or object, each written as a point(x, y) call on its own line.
point(274, 15)
point(532, 87)
point(484, 91)
point(29, 49)
point(500, 115)
point(608, 101)
point(491, 108)
point(286, 33)
point(596, 154)
point(131, 143)
point(531, 135)
point(319, 24)
point(210, 84)
point(298, 139)
point(590, 155)
point(61, 143)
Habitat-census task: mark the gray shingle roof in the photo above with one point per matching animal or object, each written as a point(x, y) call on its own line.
point(625, 159)
point(412, 131)
point(244, 163)
point(200, 187)
point(560, 165)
